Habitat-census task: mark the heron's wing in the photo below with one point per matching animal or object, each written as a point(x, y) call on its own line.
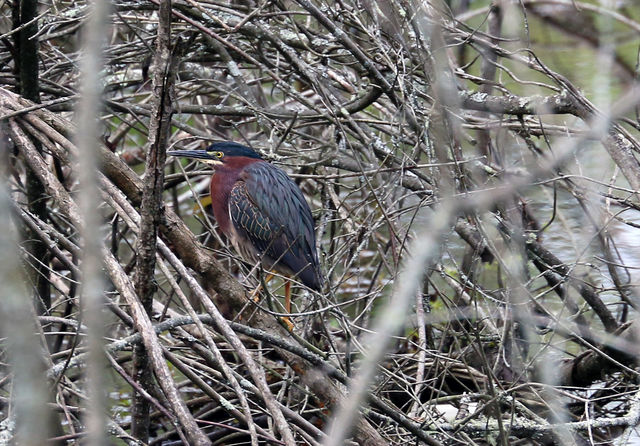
point(249, 221)
point(268, 209)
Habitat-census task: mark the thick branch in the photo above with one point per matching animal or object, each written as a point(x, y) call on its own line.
point(152, 203)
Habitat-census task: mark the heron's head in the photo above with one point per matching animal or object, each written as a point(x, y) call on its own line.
point(218, 153)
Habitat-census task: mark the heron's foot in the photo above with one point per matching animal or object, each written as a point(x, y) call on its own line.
point(286, 321)
point(255, 294)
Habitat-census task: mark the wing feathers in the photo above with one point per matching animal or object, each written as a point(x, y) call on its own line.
point(269, 210)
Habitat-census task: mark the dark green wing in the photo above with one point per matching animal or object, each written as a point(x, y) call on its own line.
point(268, 210)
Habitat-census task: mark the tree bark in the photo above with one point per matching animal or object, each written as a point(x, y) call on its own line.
point(152, 205)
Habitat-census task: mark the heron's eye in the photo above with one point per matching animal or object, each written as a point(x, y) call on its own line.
point(218, 155)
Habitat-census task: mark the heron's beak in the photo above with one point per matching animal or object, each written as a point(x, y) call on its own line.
point(201, 155)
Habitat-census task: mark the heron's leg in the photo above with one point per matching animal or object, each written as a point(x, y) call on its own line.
point(255, 293)
point(287, 296)
point(287, 305)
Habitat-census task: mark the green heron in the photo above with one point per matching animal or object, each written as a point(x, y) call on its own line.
point(262, 211)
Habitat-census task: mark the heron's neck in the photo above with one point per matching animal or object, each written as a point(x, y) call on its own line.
point(222, 181)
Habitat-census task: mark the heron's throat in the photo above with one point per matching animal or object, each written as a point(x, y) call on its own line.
point(226, 175)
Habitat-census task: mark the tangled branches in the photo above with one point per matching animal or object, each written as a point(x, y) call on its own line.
point(475, 206)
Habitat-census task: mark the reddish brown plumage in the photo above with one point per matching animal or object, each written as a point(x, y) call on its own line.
point(222, 181)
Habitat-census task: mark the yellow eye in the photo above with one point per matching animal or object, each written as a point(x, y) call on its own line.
point(216, 154)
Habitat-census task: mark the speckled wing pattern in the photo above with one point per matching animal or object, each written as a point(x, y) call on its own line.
point(268, 209)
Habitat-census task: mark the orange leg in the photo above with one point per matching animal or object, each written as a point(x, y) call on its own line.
point(287, 296)
point(287, 299)
point(256, 292)
point(287, 305)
